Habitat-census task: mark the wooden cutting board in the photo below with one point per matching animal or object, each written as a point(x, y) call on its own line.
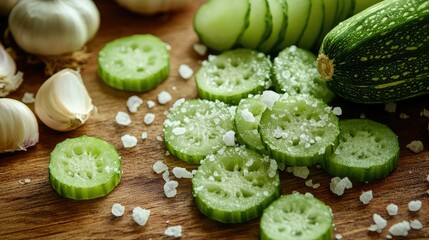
point(34, 210)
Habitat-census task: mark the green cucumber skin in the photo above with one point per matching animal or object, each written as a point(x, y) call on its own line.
point(366, 49)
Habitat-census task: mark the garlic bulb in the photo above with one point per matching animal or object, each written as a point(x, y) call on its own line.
point(10, 80)
point(53, 27)
point(18, 126)
point(62, 102)
point(149, 7)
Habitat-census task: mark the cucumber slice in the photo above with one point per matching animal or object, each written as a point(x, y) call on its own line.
point(297, 217)
point(299, 130)
point(234, 75)
point(220, 23)
point(260, 25)
point(298, 14)
point(279, 21)
point(235, 184)
point(247, 117)
point(328, 21)
point(134, 63)
point(194, 129)
point(367, 151)
point(314, 26)
point(295, 72)
point(84, 168)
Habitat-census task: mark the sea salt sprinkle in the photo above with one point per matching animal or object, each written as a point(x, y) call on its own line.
point(379, 221)
point(180, 172)
point(414, 205)
point(392, 209)
point(133, 103)
point(122, 118)
point(338, 185)
point(149, 118)
point(151, 104)
point(140, 215)
point(200, 49)
point(170, 188)
point(400, 229)
point(28, 98)
point(185, 71)
point(415, 146)
point(129, 141)
point(366, 197)
point(118, 210)
point(416, 224)
point(159, 167)
point(164, 97)
point(229, 138)
point(173, 231)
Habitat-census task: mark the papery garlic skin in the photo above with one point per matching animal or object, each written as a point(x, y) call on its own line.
point(53, 27)
point(18, 126)
point(62, 102)
point(150, 7)
point(10, 80)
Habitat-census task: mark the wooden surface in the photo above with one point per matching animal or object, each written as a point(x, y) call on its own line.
point(35, 210)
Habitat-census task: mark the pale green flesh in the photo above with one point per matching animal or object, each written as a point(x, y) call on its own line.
point(279, 22)
point(220, 23)
point(259, 24)
point(367, 151)
point(314, 25)
point(298, 15)
point(235, 185)
point(297, 217)
point(329, 19)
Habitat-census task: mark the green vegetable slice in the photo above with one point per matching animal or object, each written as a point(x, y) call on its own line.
point(314, 25)
point(297, 217)
point(235, 184)
point(84, 168)
point(260, 25)
point(134, 63)
point(247, 117)
point(295, 72)
point(299, 130)
point(367, 151)
point(233, 75)
point(278, 9)
point(195, 128)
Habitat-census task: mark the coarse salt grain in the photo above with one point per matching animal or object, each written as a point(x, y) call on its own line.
point(269, 98)
point(166, 176)
point(338, 185)
point(129, 141)
point(414, 205)
point(415, 146)
point(400, 229)
point(424, 113)
point(133, 103)
point(118, 210)
point(247, 115)
point(229, 138)
point(144, 135)
point(151, 104)
point(179, 130)
point(301, 172)
point(338, 236)
point(416, 224)
point(159, 166)
point(185, 71)
point(200, 49)
point(28, 98)
point(390, 107)
point(372, 228)
point(173, 231)
point(337, 111)
point(392, 209)
point(149, 118)
point(366, 197)
point(404, 116)
point(379, 221)
point(164, 97)
point(122, 118)
point(170, 188)
point(180, 172)
point(140, 215)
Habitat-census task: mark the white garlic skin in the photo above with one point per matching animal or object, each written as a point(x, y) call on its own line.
point(18, 126)
point(150, 7)
point(10, 79)
point(53, 27)
point(62, 102)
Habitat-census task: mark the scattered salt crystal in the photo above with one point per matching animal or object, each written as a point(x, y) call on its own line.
point(424, 113)
point(309, 183)
point(140, 215)
point(366, 197)
point(338, 236)
point(159, 138)
point(229, 138)
point(400, 229)
point(316, 185)
point(170, 188)
point(308, 194)
point(166, 176)
point(269, 98)
point(416, 224)
point(122, 118)
point(404, 116)
point(159, 166)
point(247, 115)
point(28, 98)
point(174, 231)
point(415, 146)
point(133, 103)
point(149, 118)
point(179, 130)
point(392, 209)
point(144, 135)
point(414, 206)
point(180, 172)
point(338, 185)
point(150, 104)
point(388, 236)
point(164, 97)
point(185, 71)
point(301, 172)
point(390, 107)
point(200, 49)
point(178, 102)
point(211, 57)
point(379, 221)
point(372, 228)
point(337, 111)
point(118, 210)
point(129, 141)
point(362, 115)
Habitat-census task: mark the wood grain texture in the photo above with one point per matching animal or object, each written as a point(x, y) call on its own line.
point(34, 210)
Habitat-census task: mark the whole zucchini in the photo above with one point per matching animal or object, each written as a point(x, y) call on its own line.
point(380, 54)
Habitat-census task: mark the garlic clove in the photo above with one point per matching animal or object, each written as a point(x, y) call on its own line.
point(18, 126)
point(62, 102)
point(10, 80)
